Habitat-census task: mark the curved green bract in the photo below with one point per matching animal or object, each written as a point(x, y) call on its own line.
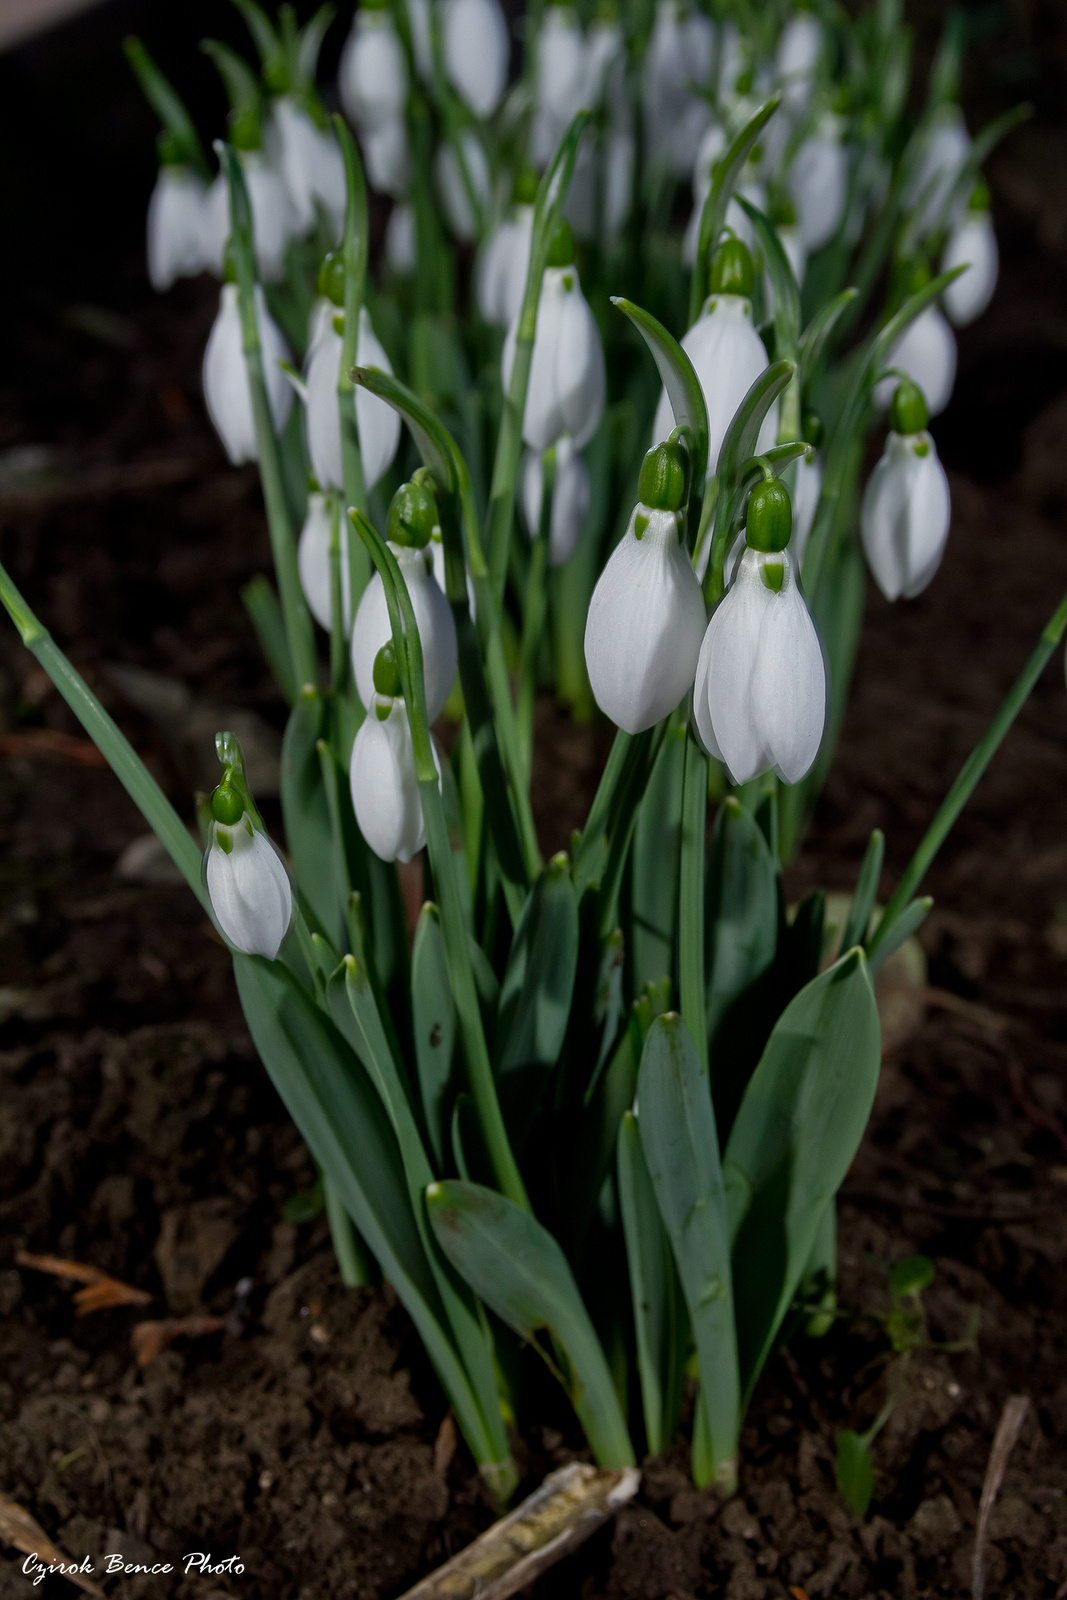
point(818, 331)
point(735, 462)
point(679, 379)
point(714, 214)
point(167, 104)
point(786, 289)
point(242, 88)
point(515, 1265)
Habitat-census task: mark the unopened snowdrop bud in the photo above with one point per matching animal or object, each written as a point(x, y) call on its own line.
point(796, 59)
point(760, 692)
point(452, 183)
point(313, 559)
point(926, 351)
point(176, 247)
point(500, 280)
point(377, 423)
point(226, 391)
point(412, 519)
point(476, 48)
point(570, 499)
point(973, 243)
point(385, 789)
point(646, 617)
point(726, 351)
point(818, 183)
point(245, 878)
point(906, 505)
point(372, 76)
point(567, 381)
point(273, 222)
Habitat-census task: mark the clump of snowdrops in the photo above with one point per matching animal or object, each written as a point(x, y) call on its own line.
point(600, 1107)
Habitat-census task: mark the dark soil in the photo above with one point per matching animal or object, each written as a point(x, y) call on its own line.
point(139, 1134)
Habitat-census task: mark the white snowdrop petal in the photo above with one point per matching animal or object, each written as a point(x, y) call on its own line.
point(385, 790)
point(929, 515)
point(225, 376)
point(728, 356)
point(272, 216)
point(818, 184)
point(788, 685)
point(452, 186)
point(476, 49)
point(378, 423)
point(806, 492)
point(385, 156)
point(323, 416)
point(974, 242)
point(732, 644)
point(580, 377)
point(372, 75)
point(175, 227)
point(249, 890)
point(500, 280)
point(433, 617)
point(570, 499)
point(401, 245)
point(645, 625)
point(905, 516)
point(313, 560)
point(926, 351)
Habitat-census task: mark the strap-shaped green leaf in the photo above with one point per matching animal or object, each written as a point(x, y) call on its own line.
point(743, 432)
point(818, 331)
point(168, 106)
point(308, 830)
point(902, 927)
point(535, 996)
point(433, 1016)
point(723, 185)
point(783, 281)
point(515, 1265)
point(681, 1147)
point(658, 1309)
point(654, 869)
point(859, 914)
point(799, 1126)
point(678, 377)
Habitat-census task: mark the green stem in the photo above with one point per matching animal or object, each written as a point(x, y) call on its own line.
point(534, 618)
point(350, 1258)
point(355, 264)
point(501, 511)
point(338, 641)
point(691, 897)
point(298, 628)
point(971, 772)
point(121, 757)
point(597, 820)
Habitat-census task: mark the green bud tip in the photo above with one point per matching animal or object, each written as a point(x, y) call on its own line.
point(413, 515)
point(664, 481)
point(782, 210)
point(812, 430)
point(332, 277)
point(744, 81)
point(229, 263)
point(524, 189)
point(227, 806)
point(386, 672)
point(561, 250)
point(169, 150)
point(981, 199)
point(908, 413)
point(245, 132)
point(731, 269)
point(769, 522)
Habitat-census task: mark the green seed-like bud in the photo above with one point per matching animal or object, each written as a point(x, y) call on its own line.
point(524, 189)
point(783, 213)
point(386, 672)
point(332, 277)
point(908, 413)
point(226, 804)
point(413, 514)
point(769, 522)
point(731, 269)
point(664, 481)
point(229, 263)
point(169, 150)
point(981, 199)
point(744, 81)
point(812, 430)
point(561, 250)
point(245, 132)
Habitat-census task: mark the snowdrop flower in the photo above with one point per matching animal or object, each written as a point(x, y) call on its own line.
point(562, 80)
point(401, 240)
point(726, 351)
point(273, 223)
point(926, 351)
point(176, 226)
point(760, 692)
point(310, 162)
point(500, 277)
point(378, 424)
point(678, 59)
point(385, 788)
point(386, 157)
point(226, 391)
point(313, 560)
point(818, 183)
point(463, 217)
point(946, 148)
point(906, 505)
point(971, 241)
point(646, 617)
point(419, 22)
point(796, 59)
point(412, 519)
point(476, 48)
point(372, 76)
point(567, 381)
point(245, 878)
point(570, 499)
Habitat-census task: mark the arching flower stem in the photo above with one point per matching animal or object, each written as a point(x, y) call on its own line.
point(534, 616)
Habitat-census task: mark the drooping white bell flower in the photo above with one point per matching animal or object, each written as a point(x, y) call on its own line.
point(726, 351)
point(570, 499)
point(176, 236)
point(401, 240)
point(567, 380)
point(818, 183)
point(906, 505)
point(310, 162)
point(313, 560)
point(605, 63)
point(926, 351)
point(476, 48)
point(620, 156)
point(246, 879)
point(273, 223)
point(320, 322)
point(806, 492)
point(562, 80)
point(419, 22)
point(946, 146)
point(372, 76)
point(500, 279)
point(387, 158)
point(412, 520)
point(677, 65)
point(452, 183)
point(226, 391)
point(974, 242)
point(385, 789)
point(760, 692)
point(378, 424)
point(646, 617)
point(796, 59)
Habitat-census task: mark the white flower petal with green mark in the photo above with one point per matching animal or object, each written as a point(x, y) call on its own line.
point(249, 888)
point(433, 618)
point(906, 513)
point(226, 391)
